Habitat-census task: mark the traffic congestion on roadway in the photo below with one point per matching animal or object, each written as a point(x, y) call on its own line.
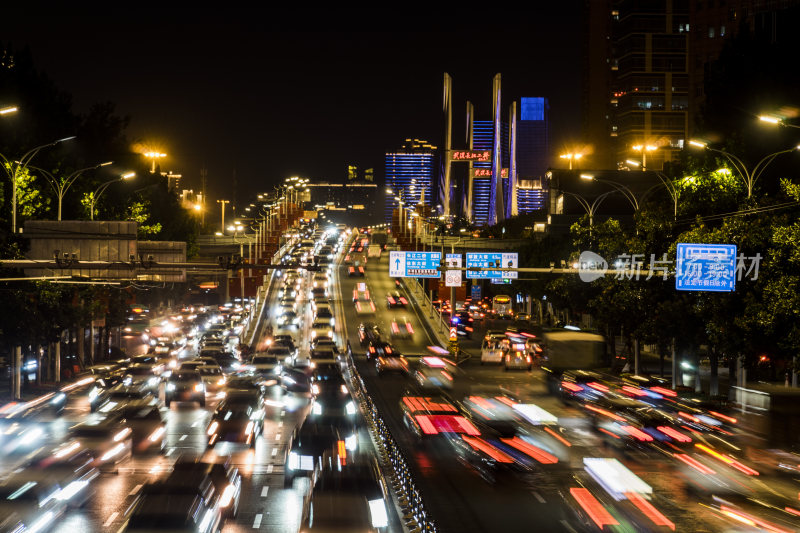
point(334, 403)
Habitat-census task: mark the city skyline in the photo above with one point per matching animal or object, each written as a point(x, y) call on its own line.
point(242, 94)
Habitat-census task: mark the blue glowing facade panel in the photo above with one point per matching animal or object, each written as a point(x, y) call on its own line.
point(483, 139)
point(411, 173)
point(533, 108)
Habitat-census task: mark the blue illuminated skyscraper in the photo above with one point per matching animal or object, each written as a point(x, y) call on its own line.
point(533, 150)
point(483, 138)
point(410, 170)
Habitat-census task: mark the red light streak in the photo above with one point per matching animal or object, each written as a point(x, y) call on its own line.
point(674, 433)
point(483, 446)
point(598, 386)
point(722, 417)
point(649, 511)
point(635, 391)
point(637, 433)
point(531, 450)
point(508, 401)
point(665, 392)
point(694, 463)
point(593, 508)
point(571, 386)
point(564, 441)
point(603, 412)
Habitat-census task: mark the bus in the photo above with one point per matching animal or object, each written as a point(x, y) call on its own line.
point(502, 306)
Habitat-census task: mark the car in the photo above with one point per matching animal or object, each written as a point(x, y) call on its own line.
point(144, 374)
point(185, 386)
point(395, 299)
point(235, 421)
point(191, 364)
point(427, 416)
point(69, 466)
point(347, 498)
point(153, 511)
point(368, 332)
point(333, 405)
point(392, 361)
point(492, 347)
point(582, 385)
point(282, 352)
point(104, 400)
point(318, 293)
point(225, 477)
point(146, 423)
point(227, 362)
point(285, 339)
point(308, 445)
point(433, 373)
point(296, 381)
point(322, 327)
point(354, 271)
point(30, 503)
point(289, 319)
point(363, 302)
point(323, 311)
point(212, 376)
point(378, 348)
point(108, 439)
point(324, 342)
point(402, 329)
point(517, 358)
point(320, 279)
point(265, 365)
point(464, 324)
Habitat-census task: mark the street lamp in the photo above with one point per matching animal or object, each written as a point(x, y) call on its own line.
point(590, 209)
point(13, 169)
point(60, 187)
point(8, 110)
point(571, 156)
point(153, 156)
point(101, 189)
point(618, 186)
point(644, 148)
point(223, 202)
point(776, 121)
point(749, 176)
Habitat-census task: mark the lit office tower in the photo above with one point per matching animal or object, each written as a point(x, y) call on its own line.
point(483, 137)
point(637, 56)
point(533, 145)
point(409, 173)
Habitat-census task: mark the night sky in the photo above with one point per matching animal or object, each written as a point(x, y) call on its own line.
point(270, 94)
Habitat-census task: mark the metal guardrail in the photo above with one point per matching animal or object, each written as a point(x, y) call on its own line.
point(416, 518)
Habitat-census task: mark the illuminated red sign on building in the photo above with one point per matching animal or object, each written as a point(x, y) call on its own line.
point(471, 155)
point(487, 172)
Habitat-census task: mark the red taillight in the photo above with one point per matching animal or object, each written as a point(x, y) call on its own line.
point(637, 433)
point(403, 301)
point(392, 301)
point(409, 328)
point(571, 386)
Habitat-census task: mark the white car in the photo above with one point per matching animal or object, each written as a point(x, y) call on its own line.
point(322, 327)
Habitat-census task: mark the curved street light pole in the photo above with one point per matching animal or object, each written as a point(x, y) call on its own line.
point(626, 192)
point(749, 177)
point(102, 188)
point(60, 187)
point(13, 170)
point(590, 209)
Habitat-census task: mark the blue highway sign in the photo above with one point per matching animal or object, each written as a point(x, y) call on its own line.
point(706, 267)
point(491, 260)
point(415, 264)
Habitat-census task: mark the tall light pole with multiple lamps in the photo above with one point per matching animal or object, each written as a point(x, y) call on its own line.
point(152, 156)
point(749, 176)
point(572, 156)
point(14, 170)
point(60, 187)
point(101, 189)
point(644, 148)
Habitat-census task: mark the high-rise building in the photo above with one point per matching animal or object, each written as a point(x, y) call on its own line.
point(352, 172)
point(483, 139)
point(647, 42)
point(410, 175)
point(532, 153)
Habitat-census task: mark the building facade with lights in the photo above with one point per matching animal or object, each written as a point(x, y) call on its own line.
point(409, 173)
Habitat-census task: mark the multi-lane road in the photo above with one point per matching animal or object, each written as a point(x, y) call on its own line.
point(457, 496)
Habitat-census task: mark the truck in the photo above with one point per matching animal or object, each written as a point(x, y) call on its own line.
point(565, 349)
point(374, 250)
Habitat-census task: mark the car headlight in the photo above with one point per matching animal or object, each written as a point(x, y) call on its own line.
point(317, 409)
point(351, 442)
point(350, 408)
point(212, 429)
point(93, 394)
point(152, 381)
point(314, 387)
point(170, 387)
point(199, 387)
point(294, 461)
